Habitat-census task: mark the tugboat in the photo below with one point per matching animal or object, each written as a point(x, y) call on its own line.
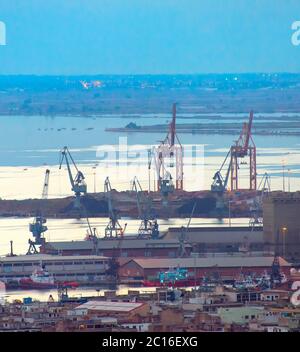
point(174, 277)
point(41, 279)
point(245, 283)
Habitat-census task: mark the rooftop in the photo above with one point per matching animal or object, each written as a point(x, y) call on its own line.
point(48, 257)
point(227, 261)
point(110, 244)
point(110, 306)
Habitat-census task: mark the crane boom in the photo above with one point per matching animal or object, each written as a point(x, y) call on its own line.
point(148, 227)
point(78, 184)
point(219, 182)
point(136, 186)
point(113, 228)
point(46, 185)
point(242, 144)
point(107, 190)
point(243, 147)
point(173, 127)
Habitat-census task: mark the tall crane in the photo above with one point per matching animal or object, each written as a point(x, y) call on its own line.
point(113, 228)
point(219, 182)
point(38, 227)
point(78, 184)
point(168, 149)
point(243, 147)
point(182, 238)
point(148, 227)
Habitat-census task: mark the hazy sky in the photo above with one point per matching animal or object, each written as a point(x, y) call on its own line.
point(148, 36)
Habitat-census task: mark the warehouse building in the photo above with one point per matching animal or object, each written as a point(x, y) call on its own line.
point(84, 269)
point(117, 247)
point(225, 267)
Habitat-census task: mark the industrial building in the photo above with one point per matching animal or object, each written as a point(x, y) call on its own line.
point(116, 247)
point(282, 224)
point(226, 267)
point(84, 269)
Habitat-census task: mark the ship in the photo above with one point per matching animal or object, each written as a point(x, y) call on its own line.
point(174, 277)
point(41, 279)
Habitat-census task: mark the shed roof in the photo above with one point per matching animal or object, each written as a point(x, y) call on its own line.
point(110, 306)
point(111, 244)
point(209, 262)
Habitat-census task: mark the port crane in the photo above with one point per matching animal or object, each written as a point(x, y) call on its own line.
point(182, 238)
point(38, 227)
point(242, 148)
point(113, 228)
point(219, 182)
point(256, 209)
point(91, 233)
point(78, 184)
point(172, 151)
point(148, 227)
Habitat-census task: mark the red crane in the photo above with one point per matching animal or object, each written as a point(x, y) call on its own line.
point(243, 147)
point(170, 149)
point(170, 139)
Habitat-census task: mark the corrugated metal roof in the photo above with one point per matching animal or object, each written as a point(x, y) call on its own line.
point(110, 306)
point(48, 257)
point(222, 262)
point(110, 244)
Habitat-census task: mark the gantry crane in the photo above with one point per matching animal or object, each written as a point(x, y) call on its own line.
point(78, 184)
point(168, 150)
point(113, 228)
point(38, 227)
point(243, 147)
point(148, 227)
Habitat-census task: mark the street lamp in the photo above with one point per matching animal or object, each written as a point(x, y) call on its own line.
point(94, 173)
point(284, 231)
point(283, 175)
point(229, 212)
point(289, 180)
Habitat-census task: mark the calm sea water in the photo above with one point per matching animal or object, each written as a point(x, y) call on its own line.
point(29, 145)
